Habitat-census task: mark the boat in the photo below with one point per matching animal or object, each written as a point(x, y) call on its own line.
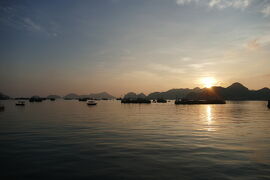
point(2, 107)
point(20, 103)
point(136, 101)
point(36, 99)
point(82, 99)
point(91, 102)
point(159, 100)
point(190, 101)
point(52, 99)
point(268, 105)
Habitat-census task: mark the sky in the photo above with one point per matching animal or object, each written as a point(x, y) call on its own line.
point(118, 46)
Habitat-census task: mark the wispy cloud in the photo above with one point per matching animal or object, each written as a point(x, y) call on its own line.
point(31, 25)
point(253, 44)
point(167, 69)
point(181, 2)
point(224, 4)
point(237, 4)
point(186, 59)
point(15, 17)
point(266, 11)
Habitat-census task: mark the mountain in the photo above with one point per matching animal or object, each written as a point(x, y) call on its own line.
point(101, 95)
point(261, 94)
point(172, 94)
point(236, 91)
point(141, 96)
point(53, 97)
point(205, 94)
point(132, 95)
point(4, 97)
point(71, 96)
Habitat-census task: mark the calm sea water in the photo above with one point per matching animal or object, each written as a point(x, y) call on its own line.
point(70, 140)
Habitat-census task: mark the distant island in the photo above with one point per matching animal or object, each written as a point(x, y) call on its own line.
point(3, 96)
point(132, 97)
point(53, 97)
point(102, 95)
point(236, 91)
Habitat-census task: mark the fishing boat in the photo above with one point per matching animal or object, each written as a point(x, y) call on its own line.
point(2, 107)
point(36, 99)
point(136, 101)
point(91, 102)
point(160, 100)
point(20, 103)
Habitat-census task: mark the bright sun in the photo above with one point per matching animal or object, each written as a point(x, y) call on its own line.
point(208, 81)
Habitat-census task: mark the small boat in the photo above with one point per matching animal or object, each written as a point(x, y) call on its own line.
point(2, 107)
point(159, 100)
point(91, 102)
point(268, 104)
point(136, 101)
point(82, 99)
point(52, 99)
point(20, 103)
point(36, 99)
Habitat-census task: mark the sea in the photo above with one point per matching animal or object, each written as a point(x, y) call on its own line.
point(66, 139)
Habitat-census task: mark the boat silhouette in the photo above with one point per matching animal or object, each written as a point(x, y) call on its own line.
point(20, 103)
point(2, 107)
point(91, 103)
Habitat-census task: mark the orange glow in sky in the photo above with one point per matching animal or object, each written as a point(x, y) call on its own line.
point(208, 81)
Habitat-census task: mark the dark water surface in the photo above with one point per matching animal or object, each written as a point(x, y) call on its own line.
point(70, 140)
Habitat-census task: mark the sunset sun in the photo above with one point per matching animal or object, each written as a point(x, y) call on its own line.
point(208, 81)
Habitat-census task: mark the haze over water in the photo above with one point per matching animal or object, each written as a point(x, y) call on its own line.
point(70, 140)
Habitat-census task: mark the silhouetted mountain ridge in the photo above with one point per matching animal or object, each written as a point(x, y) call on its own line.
point(172, 93)
point(236, 91)
point(53, 96)
point(3, 96)
point(102, 95)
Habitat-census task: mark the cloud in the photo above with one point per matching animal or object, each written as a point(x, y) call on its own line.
point(266, 11)
point(253, 44)
point(31, 25)
point(237, 4)
point(167, 69)
point(220, 4)
point(181, 2)
point(186, 58)
point(15, 17)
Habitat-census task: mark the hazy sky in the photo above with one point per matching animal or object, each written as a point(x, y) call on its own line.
point(63, 46)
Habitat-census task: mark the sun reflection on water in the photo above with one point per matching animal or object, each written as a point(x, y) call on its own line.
point(209, 118)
